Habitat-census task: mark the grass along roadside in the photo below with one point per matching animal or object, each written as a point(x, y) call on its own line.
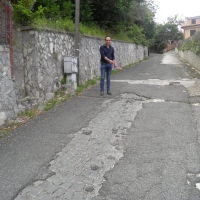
point(82, 87)
point(69, 26)
point(59, 98)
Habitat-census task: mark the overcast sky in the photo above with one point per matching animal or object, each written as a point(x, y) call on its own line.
point(184, 8)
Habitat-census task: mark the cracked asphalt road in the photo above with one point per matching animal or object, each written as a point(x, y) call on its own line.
point(141, 143)
point(161, 158)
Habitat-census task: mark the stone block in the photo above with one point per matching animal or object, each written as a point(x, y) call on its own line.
point(32, 32)
point(66, 185)
point(49, 96)
point(55, 180)
point(2, 118)
point(79, 196)
point(68, 195)
point(77, 187)
point(59, 192)
point(34, 192)
point(43, 195)
point(2, 48)
point(20, 197)
point(62, 174)
point(49, 187)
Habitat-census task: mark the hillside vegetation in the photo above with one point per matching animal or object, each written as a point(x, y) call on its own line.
point(129, 20)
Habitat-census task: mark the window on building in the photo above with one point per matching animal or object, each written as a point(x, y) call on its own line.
point(193, 21)
point(5, 21)
point(192, 32)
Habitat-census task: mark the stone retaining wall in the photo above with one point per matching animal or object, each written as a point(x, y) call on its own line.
point(18, 60)
point(38, 65)
point(125, 53)
point(191, 57)
point(43, 54)
point(8, 106)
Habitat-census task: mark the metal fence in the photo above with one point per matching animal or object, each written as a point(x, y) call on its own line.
point(5, 22)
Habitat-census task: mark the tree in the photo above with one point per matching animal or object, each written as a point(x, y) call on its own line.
point(23, 12)
point(175, 20)
point(164, 33)
point(110, 13)
point(142, 13)
point(132, 17)
point(55, 9)
point(87, 11)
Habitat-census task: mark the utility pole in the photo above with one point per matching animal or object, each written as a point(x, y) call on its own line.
point(77, 42)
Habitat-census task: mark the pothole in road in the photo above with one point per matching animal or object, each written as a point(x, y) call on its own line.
point(174, 83)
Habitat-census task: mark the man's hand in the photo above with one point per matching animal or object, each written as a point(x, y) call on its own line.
point(114, 63)
point(108, 60)
point(111, 62)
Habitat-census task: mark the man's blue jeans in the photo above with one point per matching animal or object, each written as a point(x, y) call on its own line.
point(106, 69)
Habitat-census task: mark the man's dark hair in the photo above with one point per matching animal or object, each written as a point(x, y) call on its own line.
point(107, 36)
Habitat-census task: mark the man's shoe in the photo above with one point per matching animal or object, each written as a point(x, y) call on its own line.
point(101, 93)
point(109, 93)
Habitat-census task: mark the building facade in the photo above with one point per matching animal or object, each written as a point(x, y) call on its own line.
point(191, 26)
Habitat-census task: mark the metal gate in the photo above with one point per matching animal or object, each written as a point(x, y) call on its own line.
point(6, 28)
point(5, 22)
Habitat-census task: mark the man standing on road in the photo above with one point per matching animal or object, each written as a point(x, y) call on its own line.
point(107, 60)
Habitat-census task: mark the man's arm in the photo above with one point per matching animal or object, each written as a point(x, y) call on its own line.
point(102, 52)
point(114, 62)
point(108, 60)
point(113, 54)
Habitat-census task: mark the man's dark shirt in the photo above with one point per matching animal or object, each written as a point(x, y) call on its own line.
point(107, 52)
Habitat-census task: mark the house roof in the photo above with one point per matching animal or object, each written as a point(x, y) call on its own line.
point(190, 26)
point(192, 17)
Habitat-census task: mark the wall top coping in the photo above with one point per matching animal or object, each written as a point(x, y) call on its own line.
point(95, 37)
point(29, 28)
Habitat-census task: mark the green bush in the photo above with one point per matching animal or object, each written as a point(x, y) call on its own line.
point(63, 81)
point(135, 33)
point(53, 12)
point(67, 10)
point(23, 13)
point(192, 44)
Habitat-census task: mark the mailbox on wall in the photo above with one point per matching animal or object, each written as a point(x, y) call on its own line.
point(70, 65)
